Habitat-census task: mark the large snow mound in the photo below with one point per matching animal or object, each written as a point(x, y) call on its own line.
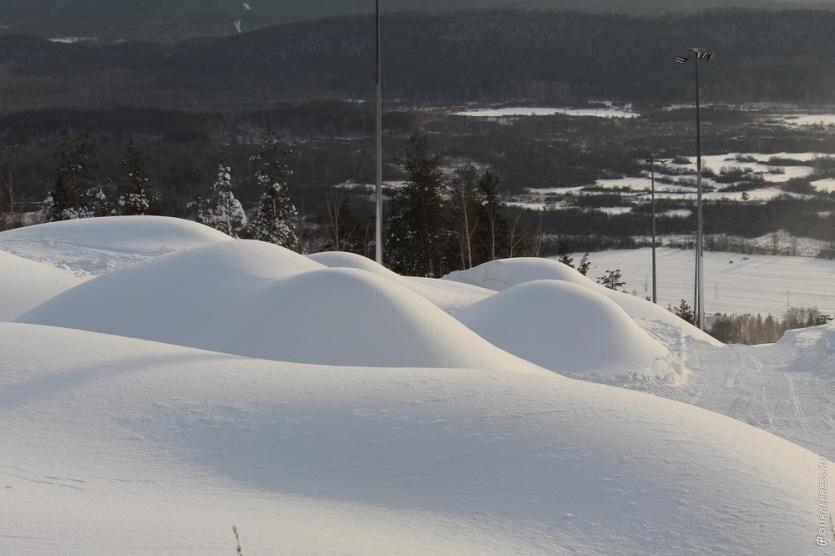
point(564, 326)
point(93, 246)
point(660, 323)
point(25, 284)
point(256, 299)
point(505, 273)
point(813, 349)
point(119, 446)
point(448, 295)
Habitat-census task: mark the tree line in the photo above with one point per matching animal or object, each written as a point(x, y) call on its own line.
point(436, 223)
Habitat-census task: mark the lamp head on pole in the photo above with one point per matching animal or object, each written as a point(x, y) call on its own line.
point(695, 54)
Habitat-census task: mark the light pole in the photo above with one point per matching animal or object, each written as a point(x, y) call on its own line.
point(652, 161)
point(379, 137)
point(698, 55)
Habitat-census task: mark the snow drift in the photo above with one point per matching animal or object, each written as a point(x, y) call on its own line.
point(660, 323)
point(120, 446)
point(564, 326)
point(813, 349)
point(505, 273)
point(25, 284)
point(446, 294)
point(98, 245)
point(256, 299)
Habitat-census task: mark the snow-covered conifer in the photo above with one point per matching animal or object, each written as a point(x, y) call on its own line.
point(136, 196)
point(219, 208)
point(274, 220)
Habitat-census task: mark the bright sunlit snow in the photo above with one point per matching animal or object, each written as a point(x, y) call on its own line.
point(427, 424)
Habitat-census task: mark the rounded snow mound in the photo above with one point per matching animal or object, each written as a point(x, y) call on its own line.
point(256, 299)
point(342, 259)
point(814, 349)
point(97, 245)
point(660, 323)
point(446, 294)
point(506, 273)
point(25, 284)
point(570, 328)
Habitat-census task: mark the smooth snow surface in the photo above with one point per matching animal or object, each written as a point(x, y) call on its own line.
point(97, 245)
point(505, 273)
point(25, 284)
point(563, 326)
point(660, 323)
point(256, 299)
point(734, 283)
point(118, 446)
point(449, 296)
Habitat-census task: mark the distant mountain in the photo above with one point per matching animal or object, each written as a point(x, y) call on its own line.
point(174, 20)
point(480, 56)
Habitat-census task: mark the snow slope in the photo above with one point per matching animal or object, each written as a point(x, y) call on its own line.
point(449, 296)
point(779, 281)
point(118, 446)
point(97, 245)
point(256, 299)
point(785, 388)
point(564, 326)
point(25, 284)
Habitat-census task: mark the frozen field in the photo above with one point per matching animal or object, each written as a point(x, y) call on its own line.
point(734, 283)
point(606, 111)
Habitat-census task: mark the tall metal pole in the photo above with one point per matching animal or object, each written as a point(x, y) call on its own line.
point(379, 137)
point(700, 275)
point(654, 287)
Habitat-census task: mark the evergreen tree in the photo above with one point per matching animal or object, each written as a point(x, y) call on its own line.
point(219, 209)
point(564, 251)
point(418, 242)
point(274, 220)
point(585, 265)
point(75, 195)
point(97, 204)
point(136, 195)
point(685, 311)
point(493, 234)
point(612, 279)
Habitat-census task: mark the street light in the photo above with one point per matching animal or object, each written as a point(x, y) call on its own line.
point(698, 55)
point(652, 162)
point(379, 138)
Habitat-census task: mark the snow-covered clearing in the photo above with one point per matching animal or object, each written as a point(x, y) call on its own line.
point(734, 283)
point(411, 435)
point(607, 111)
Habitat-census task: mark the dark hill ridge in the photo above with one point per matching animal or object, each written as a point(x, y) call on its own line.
point(466, 56)
point(175, 20)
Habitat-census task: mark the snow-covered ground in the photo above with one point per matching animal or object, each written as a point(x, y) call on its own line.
point(605, 111)
point(734, 283)
point(411, 434)
point(91, 247)
point(762, 174)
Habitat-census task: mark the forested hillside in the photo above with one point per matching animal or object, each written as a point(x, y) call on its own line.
point(173, 20)
point(474, 56)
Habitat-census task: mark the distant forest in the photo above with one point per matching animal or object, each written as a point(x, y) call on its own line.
point(478, 56)
point(176, 20)
point(189, 105)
